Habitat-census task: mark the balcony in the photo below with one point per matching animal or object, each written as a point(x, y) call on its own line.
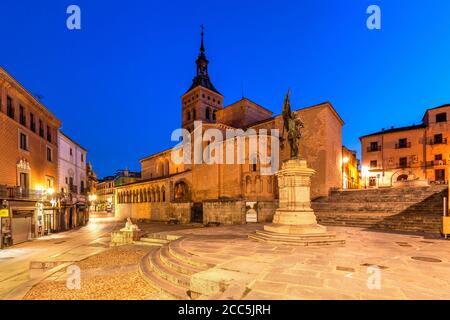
point(436, 163)
point(402, 165)
point(437, 141)
point(19, 193)
point(374, 149)
point(403, 145)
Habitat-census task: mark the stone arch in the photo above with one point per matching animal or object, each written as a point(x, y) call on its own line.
point(157, 194)
point(182, 190)
point(166, 168)
point(163, 194)
point(149, 195)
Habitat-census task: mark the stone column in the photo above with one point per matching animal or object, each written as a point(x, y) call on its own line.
point(295, 215)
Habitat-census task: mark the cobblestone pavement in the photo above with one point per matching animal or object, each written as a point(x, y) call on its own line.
point(111, 275)
point(407, 266)
point(71, 245)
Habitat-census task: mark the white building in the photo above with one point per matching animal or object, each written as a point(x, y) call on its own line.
point(72, 181)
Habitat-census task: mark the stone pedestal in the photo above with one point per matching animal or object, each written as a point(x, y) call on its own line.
point(294, 221)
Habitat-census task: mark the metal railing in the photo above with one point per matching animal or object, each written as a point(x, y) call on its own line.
point(437, 141)
point(435, 163)
point(373, 149)
point(20, 193)
point(403, 145)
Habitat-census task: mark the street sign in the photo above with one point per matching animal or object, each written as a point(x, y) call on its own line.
point(4, 213)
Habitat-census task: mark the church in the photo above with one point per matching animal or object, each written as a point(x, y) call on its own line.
point(229, 193)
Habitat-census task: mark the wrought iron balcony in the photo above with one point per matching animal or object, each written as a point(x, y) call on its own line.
point(373, 149)
point(403, 145)
point(19, 193)
point(436, 163)
point(437, 141)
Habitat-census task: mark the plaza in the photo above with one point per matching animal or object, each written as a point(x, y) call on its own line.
point(410, 266)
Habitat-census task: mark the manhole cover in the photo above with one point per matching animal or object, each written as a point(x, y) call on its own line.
point(347, 269)
point(426, 259)
point(403, 244)
point(374, 265)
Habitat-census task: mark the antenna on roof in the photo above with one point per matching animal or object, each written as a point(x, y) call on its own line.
point(38, 96)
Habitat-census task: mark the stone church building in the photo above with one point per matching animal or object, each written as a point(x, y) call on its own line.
point(228, 193)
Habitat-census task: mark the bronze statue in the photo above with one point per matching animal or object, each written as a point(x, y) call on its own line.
point(293, 125)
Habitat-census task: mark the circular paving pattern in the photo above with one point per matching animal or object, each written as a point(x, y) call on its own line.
point(426, 259)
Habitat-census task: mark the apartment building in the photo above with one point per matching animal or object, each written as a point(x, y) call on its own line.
point(416, 154)
point(28, 164)
point(72, 182)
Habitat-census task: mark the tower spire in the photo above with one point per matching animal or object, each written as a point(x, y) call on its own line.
point(202, 77)
point(202, 45)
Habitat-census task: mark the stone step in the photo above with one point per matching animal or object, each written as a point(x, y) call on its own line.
point(305, 237)
point(154, 240)
point(293, 242)
point(146, 243)
point(179, 253)
point(166, 273)
point(163, 286)
point(178, 265)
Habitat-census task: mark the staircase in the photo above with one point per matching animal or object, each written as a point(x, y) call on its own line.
point(169, 269)
point(412, 209)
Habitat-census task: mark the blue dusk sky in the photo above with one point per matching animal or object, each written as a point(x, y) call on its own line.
point(116, 83)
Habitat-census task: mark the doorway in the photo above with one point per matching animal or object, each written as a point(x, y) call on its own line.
point(197, 212)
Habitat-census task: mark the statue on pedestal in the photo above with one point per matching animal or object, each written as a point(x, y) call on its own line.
point(293, 125)
point(294, 221)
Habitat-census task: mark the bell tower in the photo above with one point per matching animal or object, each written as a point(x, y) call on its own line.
point(202, 100)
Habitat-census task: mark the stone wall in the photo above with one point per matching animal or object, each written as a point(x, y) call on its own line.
point(234, 211)
point(155, 211)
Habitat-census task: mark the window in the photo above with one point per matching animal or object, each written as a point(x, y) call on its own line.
point(403, 143)
point(82, 186)
point(32, 123)
point(194, 114)
point(214, 116)
point(374, 146)
point(207, 113)
point(49, 134)
point(23, 141)
point(41, 128)
point(188, 116)
point(373, 163)
point(49, 154)
point(9, 108)
point(22, 117)
point(441, 117)
point(82, 157)
point(438, 139)
point(71, 152)
point(403, 162)
point(438, 157)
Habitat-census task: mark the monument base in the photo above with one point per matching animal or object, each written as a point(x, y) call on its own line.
point(294, 222)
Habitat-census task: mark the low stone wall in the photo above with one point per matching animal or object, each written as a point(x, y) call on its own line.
point(155, 211)
point(120, 238)
point(234, 211)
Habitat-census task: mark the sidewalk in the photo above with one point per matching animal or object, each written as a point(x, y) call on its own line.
point(66, 246)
